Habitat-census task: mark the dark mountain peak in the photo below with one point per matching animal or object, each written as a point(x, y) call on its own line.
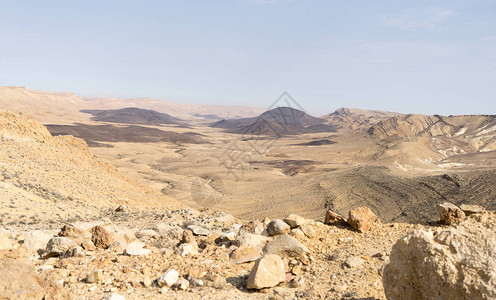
point(275, 122)
point(133, 115)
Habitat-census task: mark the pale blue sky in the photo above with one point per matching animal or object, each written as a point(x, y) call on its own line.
point(407, 56)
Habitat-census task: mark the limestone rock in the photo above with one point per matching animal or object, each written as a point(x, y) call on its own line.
point(295, 221)
point(73, 232)
point(182, 284)
point(136, 248)
point(36, 240)
point(353, 262)
point(60, 246)
point(308, 231)
point(197, 230)
point(245, 254)
point(168, 278)
point(5, 241)
point(188, 238)
point(95, 276)
point(333, 218)
point(79, 236)
point(470, 209)
point(19, 281)
point(100, 237)
point(286, 245)
point(122, 208)
point(450, 214)
point(267, 272)
point(277, 226)
point(187, 249)
point(445, 263)
point(253, 240)
point(297, 233)
point(146, 233)
point(361, 218)
point(114, 296)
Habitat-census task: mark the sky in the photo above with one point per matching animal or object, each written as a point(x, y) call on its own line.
point(430, 57)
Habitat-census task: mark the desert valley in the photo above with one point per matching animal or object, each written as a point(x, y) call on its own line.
point(109, 198)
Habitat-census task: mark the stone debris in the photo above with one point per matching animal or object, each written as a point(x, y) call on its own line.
point(277, 226)
point(337, 263)
point(267, 272)
point(450, 214)
point(361, 219)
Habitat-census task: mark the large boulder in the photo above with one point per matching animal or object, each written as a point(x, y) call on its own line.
point(267, 272)
point(450, 214)
point(361, 218)
point(445, 263)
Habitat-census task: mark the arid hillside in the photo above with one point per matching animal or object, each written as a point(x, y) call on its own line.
point(58, 178)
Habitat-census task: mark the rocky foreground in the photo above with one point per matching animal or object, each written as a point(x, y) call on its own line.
point(187, 254)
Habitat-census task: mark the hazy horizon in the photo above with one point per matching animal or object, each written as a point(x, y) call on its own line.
point(408, 57)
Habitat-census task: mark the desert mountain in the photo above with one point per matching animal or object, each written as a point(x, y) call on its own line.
point(178, 110)
point(277, 121)
point(65, 108)
point(133, 115)
point(352, 118)
point(40, 172)
point(436, 137)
